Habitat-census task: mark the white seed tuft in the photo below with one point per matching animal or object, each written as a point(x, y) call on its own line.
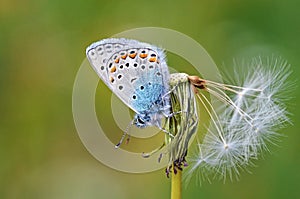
point(247, 124)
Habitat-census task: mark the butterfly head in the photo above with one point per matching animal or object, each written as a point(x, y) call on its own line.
point(142, 120)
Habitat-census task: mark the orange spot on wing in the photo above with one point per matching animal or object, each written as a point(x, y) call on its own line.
point(143, 55)
point(124, 56)
point(117, 60)
point(152, 59)
point(111, 79)
point(113, 69)
point(132, 55)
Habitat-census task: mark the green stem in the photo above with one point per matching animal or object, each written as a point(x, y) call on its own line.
point(176, 185)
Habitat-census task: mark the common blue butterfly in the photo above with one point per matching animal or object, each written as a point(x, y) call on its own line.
point(138, 74)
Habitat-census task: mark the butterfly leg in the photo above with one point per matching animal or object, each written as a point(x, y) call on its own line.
point(174, 113)
point(166, 132)
point(147, 155)
point(124, 135)
point(121, 140)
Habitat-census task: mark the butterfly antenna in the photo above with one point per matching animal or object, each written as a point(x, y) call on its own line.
point(124, 135)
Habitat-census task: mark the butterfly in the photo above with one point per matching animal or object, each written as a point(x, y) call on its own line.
point(136, 73)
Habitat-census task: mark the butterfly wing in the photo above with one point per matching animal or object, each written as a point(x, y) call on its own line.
point(136, 72)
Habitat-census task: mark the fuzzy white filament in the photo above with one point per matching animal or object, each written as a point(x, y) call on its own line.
point(248, 122)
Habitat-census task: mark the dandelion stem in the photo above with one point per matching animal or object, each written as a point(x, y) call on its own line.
point(176, 185)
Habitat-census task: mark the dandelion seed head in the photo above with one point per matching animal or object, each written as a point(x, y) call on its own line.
point(247, 123)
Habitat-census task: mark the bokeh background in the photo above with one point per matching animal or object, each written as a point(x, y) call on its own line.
point(42, 44)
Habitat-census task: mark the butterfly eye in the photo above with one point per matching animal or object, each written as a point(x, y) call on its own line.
point(140, 121)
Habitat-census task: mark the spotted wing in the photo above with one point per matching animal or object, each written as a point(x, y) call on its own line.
point(136, 72)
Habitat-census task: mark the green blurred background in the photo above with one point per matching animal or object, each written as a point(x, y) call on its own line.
point(42, 44)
